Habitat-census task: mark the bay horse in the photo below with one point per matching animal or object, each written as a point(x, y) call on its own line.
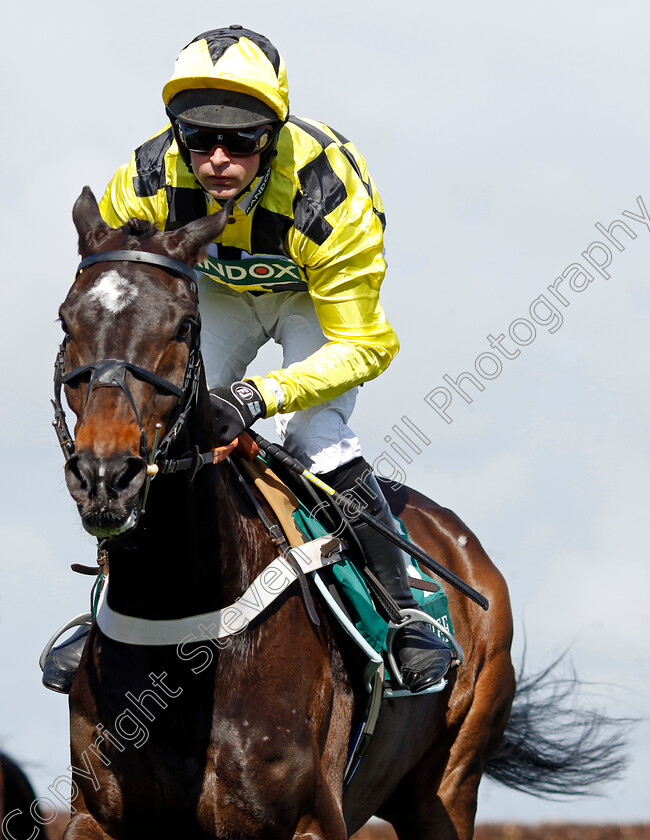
point(245, 738)
point(20, 812)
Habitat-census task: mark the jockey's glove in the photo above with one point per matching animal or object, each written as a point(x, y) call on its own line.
point(236, 407)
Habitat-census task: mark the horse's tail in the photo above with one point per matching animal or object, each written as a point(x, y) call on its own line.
point(19, 796)
point(551, 746)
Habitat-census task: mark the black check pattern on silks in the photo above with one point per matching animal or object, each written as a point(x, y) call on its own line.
point(236, 407)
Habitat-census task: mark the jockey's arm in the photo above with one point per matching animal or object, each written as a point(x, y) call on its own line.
point(344, 274)
point(344, 286)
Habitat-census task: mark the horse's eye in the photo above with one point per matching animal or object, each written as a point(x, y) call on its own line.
point(64, 326)
point(184, 329)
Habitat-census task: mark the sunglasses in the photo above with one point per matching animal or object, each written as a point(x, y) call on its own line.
point(242, 143)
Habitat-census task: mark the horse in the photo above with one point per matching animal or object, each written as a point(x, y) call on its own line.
point(243, 737)
point(20, 811)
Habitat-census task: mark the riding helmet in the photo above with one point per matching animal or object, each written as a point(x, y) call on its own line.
point(230, 78)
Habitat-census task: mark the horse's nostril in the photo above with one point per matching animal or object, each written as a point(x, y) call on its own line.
point(80, 473)
point(130, 473)
point(74, 469)
point(104, 481)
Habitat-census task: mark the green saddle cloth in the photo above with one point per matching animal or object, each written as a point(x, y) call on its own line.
point(354, 591)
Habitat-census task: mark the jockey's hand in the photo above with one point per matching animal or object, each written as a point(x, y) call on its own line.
point(236, 407)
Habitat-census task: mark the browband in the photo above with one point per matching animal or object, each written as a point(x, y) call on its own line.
point(168, 263)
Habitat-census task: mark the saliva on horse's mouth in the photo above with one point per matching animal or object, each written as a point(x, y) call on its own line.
point(95, 524)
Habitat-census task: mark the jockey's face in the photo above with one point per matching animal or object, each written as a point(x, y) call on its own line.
point(223, 175)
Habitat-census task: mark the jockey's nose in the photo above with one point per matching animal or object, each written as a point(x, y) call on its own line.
point(219, 155)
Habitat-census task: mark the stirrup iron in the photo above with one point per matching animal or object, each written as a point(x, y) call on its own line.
point(412, 616)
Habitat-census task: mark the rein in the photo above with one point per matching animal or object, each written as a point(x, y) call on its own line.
point(112, 373)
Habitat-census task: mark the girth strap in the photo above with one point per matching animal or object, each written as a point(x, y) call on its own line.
point(228, 621)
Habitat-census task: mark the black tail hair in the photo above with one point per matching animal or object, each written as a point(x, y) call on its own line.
point(553, 748)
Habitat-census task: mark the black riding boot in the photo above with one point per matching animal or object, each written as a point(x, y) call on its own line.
point(423, 657)
point(62, 661)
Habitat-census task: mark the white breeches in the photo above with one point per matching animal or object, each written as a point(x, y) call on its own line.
point(236, 325)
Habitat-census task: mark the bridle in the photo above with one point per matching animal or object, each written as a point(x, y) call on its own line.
point(112, 373)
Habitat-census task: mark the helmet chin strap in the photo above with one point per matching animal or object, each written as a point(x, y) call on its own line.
point(250, 196)
point(271, 152)
point(182, 148)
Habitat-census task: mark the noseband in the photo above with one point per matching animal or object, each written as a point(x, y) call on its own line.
point(111, 373)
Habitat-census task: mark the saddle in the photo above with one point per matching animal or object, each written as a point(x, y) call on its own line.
point(302, 521)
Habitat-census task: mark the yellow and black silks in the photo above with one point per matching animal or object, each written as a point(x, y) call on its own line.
point(314, 223)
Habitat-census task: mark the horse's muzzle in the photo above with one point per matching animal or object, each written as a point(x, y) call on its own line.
point(106, 490)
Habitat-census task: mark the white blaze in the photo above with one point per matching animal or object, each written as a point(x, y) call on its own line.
point(113, 292)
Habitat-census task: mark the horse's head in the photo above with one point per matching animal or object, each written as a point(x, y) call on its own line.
point(130, 358)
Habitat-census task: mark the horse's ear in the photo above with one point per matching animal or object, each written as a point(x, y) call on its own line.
point(188, 243)
point(91, 228)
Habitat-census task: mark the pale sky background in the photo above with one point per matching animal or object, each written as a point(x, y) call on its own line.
point(498, 134)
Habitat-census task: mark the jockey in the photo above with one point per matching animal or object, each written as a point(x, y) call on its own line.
point(300, 262)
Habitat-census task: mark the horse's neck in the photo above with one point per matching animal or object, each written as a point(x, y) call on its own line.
point(184, 557)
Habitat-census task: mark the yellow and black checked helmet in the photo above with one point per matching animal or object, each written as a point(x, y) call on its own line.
point(228, 78)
